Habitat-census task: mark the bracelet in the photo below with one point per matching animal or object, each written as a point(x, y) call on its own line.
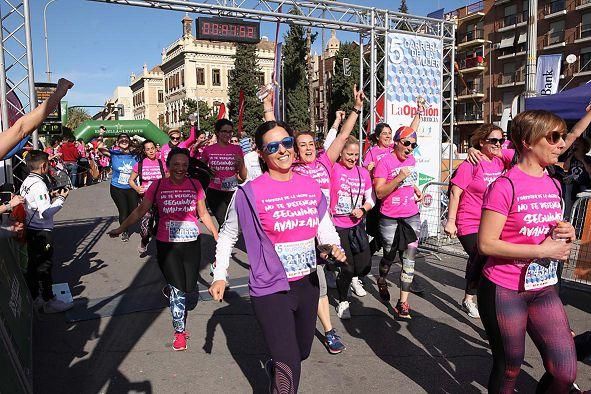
point(357, 111)
point(364, 210)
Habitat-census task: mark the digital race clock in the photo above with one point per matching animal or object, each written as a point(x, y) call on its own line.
point(225, 29)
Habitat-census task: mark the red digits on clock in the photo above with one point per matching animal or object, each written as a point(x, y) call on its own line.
point(242, 31)
point(250, 32)
point(205, 28)
point(224, 30)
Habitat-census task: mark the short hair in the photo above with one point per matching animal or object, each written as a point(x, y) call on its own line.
point(221, 123)
point(35, 158)
point(529, 127)
point(351, 140)
point(177, 151)
point(481, 133)
point(266, 126)
point(305, 132)
point(378, 130)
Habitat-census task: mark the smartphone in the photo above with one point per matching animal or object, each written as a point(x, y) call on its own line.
point(5, 197)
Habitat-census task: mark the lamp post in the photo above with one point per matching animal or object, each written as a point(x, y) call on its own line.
point(48, 72)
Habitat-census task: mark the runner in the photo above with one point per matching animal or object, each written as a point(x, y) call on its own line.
point(200, 143)
point(469, 183)
point(148, 169)
point(395, 183)
point(227, 163)
point(351, 196)
point(180, 202)
point(280, 214)
point(122, 162)
point(524, 236)
point(175, 141)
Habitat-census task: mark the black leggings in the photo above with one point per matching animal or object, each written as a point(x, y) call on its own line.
point(288, 322)
point(40, 251)
point(358, 264)
point(507, 315)
point(126, 201)
point(475, 262)
point(218, 201)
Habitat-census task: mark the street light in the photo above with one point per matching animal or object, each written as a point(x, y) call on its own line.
point(48, 72)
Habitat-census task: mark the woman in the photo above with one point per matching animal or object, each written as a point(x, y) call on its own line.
point(350, 199)
point(280, 214)
point(523, 234)
point(148, 169)
point(180, 202)
point(395, 184)
point(122, 162)
point(200, 143)
point(227, 163)
point(83, 164)
point(176, 141)
point(465, 201)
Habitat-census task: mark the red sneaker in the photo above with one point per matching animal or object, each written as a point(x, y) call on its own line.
point(180, 341)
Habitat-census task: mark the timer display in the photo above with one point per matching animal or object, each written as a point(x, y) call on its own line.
point(223, 29)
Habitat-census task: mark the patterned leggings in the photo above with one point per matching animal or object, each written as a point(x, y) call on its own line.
point(145, 228)
point(507, 315)
point(177, 308)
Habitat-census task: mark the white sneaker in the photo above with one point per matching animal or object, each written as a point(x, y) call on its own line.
point(56, 306)
point(471, 308)
point(331, 279)
point(343, 310)
point(357, 286)
point(141, 249)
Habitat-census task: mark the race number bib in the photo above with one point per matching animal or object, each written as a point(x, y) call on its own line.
point(537, 276)
point(123, 178)
point(298, 258)
point(411, 179)
point(230, 184)
point(181, 231)
point(344, 206)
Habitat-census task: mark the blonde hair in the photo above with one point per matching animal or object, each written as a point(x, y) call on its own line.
point(482, 133)
point(351, 141)
point(531, 126)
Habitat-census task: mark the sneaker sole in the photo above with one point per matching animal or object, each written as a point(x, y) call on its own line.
point(330, 351)
point(179, 350)
point(469, 314)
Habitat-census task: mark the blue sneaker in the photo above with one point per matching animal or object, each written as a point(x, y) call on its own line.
point(333, 342)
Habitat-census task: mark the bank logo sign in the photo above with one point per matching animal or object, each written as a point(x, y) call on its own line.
point(548, 74)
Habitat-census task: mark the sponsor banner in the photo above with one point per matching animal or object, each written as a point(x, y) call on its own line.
point(548, 74)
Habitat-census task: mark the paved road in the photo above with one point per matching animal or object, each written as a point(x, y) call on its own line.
point(118, 338)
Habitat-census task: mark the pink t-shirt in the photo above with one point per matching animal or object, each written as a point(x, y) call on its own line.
point(150, 172)
point(375, 154)
point(533, 207)
point(177, 209)
point(473, 180)
point(222, 160)
point(319, 170)
point(347, 190)
point(288, 212)
point(401, 203)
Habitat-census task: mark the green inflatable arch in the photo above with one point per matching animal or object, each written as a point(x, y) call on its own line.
point(144, 128)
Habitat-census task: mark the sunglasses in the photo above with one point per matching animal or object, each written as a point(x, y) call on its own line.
point(408, 143)
point(495, 141)
point(175, 138)
point(554, 137)
point(273, 147)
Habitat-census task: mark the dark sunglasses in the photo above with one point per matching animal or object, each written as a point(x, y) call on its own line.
point(495, 141)
point(273, 147)
point(554, 137)
point(408, 143)
point(175, 138)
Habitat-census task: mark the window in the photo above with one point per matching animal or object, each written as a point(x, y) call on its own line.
point(585, 25)
point(585, 59)
point(507, 99)
point(261, 79)
point(216, 77)
point(556, 32)
point(182, 77)
point(511, 17)
point(508, 73)
point(200, 76)
point(160, 96)
point(511, 10)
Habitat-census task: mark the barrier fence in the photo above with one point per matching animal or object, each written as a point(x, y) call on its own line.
point(577, 270)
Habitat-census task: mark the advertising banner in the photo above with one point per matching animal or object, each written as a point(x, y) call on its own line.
point(548, 74)
point(415, 70)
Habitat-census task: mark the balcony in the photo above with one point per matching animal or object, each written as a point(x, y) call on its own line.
point(470, 12)
point(471, 92)
point(506, 80)
point(512, 21)
point(553, 40)
point(584, 65)
point(582, 4)
point(472, 65)
point(472, 38)
point(555, 9)
point(499, 2)
point(474, 116)
point(583, 33)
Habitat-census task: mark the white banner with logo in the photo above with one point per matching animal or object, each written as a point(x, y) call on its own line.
point(415, 68)
point(548, 74)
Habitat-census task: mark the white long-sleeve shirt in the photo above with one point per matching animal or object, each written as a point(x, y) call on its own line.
point(38, 205)
point(228, 236)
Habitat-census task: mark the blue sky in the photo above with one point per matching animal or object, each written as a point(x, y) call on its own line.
point(99, 45)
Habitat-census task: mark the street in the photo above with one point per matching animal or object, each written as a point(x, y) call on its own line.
point(117, 339)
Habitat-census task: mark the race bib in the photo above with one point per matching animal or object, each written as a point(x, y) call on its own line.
point(537, 276)
point(411, 179)
point(181, 231)
point(344, 206)
point(123, 178)
point(298, 258)
point(230, 184)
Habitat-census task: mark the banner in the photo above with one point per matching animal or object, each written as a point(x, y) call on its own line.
point(415, 68)
point(548, 74)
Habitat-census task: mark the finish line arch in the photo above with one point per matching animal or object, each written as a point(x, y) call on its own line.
point(144, 128)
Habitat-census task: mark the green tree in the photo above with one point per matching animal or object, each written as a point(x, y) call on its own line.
point(245, 77)
point(297, 106)
point(403, 7)
point(206, 116)
point(77, 116)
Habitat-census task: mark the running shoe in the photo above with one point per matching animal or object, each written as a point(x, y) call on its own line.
point(357, 286)
point(383, 289)
point(270, 371)
point(331, 279)
point(180, 341)
point(56, 306)
point(416, 287)
point(125, 236)
point(402, 309)
point(343, 311)
point(471, 308)
point(333, 342)
point(141, 249)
